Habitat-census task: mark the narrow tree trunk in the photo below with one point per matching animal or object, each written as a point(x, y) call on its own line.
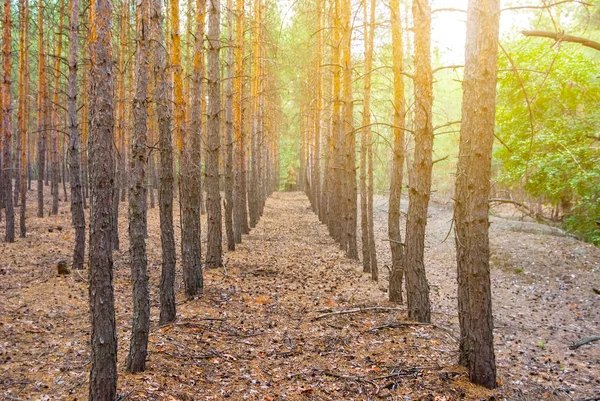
point(77, 214)
point(140, 327)
point(23, 113)
point(6, 124)
point(41, 110)
point(229, 133)
point(56, 112)
point(472, 191)
point(239, 196)
point(348, 134)
point(417, 289)
point(103, 376)
point(396, 173)
point(213, 196)
point(165, 192)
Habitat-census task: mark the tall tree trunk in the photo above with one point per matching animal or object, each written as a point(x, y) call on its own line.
point(138, 349)
point(316, 170)
point(473, 176)
point(190, 178)
point(365, 131)
point(213, 196)
point(55, 110)
point(189, 226)
point(77, 214)
point(23, 112)
point(6, 124)
point(229, 133)
point(396, 173)
point(239, 197)
point(349, 139)
point(103, 376)
point(165, 193)
point(41, 111)
point(417, 289)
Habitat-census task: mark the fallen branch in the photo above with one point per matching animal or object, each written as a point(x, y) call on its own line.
point(359, 310)
point(583, 341)
point(353, 378)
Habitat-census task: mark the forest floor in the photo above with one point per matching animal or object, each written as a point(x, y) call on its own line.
point(264, 329)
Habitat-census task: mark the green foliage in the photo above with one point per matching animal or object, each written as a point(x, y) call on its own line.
point(547, 119)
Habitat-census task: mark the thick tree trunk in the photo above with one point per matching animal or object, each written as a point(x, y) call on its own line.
point(165, 192)
point(229, 133)
point(6, 124)
point(472, 191)
point(77, 214)
point(396, 246)
point(417, 289)
point(138, 349)
point(103, 376)
point(213, 196)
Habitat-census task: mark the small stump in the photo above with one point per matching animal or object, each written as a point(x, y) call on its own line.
point(62, 268)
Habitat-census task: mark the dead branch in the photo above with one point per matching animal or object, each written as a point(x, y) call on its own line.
point(562, 37)
point(583, 341)
point(358, 310)
point(527, 209)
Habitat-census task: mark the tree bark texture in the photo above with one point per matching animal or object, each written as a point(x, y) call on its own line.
point(103, 376)
point(472, 191)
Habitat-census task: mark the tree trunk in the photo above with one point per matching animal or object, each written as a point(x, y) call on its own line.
point(6, 124)
point(396, 173)
point(23, 112)
point(55, 110)
point(417, 289)
point(472, 191)
point(138, 349)
point(41, 111)
point(348, 134)
point(229, 133)
point(77, 214)
point(239, 196)
point(103, 376)
point(213, 196)
point(165, 192)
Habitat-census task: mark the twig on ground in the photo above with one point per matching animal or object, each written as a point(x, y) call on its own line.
point(396, 325)
point(359, 310)
point(583, 341)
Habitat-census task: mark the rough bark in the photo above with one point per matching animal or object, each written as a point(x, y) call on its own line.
point(472, 191)
point(103, 376)
point(77, 214)
point(41, 110)
point(229, 133)
point(396, 246)
point(23, 112)
point(165, 142)
point(138, 347)
point(6, 123)
point(56, 112)
point(417, 289)
point(213, 195)
point(239, 196)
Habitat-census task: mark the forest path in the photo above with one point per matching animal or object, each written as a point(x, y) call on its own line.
point(253, 334)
